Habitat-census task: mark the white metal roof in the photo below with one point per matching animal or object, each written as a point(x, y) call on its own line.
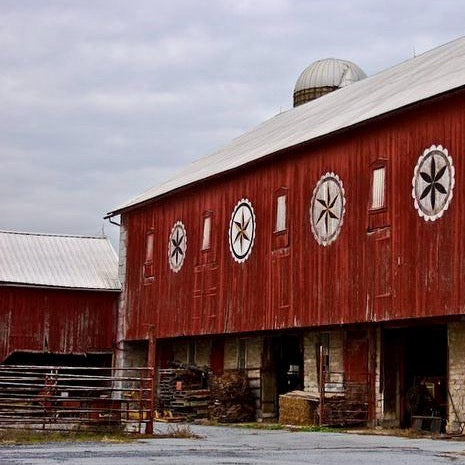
point(53, 260)
point(330, 72)
point(439, 70)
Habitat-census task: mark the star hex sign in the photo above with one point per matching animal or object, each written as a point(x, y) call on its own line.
point(177, 252)
point(177, 246)
point(327, 209)
point(242, 230)
point(433, 182)
point(328, 204)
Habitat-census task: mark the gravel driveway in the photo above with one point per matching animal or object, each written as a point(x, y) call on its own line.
point(231, 446)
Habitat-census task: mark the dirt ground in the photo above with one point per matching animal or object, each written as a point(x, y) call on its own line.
point(230, 446)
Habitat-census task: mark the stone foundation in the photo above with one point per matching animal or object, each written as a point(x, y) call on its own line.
point(456, 402)
point(336, 357)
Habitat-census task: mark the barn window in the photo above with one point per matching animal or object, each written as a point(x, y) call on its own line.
point(241, 354)
point(378, 198)
point(207, 226)
point(280, 213)
point(191, 353)
point(148, 263)
point(378, 188)
point(280, 219)
point(322, 355)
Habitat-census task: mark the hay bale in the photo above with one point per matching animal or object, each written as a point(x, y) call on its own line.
point(298, 408)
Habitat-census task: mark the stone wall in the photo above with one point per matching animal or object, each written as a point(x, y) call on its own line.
point(122, 310)
point(456, 340)
point(336, 358)
point(253, 359)
point(180, 349)
point(202, 352)
point(379, 396)
point(230, 353)
point(311, 340)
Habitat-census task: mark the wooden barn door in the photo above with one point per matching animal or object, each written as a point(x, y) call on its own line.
point(356, 356)
point(360, 370)
point(379, 267)
point(217, 356)
point(378, 245)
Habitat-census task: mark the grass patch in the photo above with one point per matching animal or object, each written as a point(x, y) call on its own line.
point(280, 427)
point(23, 437)
point(10, 437)
point(176, 431)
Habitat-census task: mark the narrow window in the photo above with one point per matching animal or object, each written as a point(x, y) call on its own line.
point(191, 349)
point(148, 264)
point(280, 213)
point(322, 357)
point(378, 188)
point(207, 224)
point(280, 239)
point(241, 354)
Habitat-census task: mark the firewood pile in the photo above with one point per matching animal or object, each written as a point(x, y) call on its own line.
point(232, 400)
point(183, 393)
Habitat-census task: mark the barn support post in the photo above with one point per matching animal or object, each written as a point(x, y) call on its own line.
point(322, 378)
point(151, 364)
point(372, 375)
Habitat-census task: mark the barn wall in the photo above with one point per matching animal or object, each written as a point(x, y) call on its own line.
point(417, 264)
point(56, 321)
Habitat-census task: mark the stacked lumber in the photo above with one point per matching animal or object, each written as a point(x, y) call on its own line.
point(298, 408)
point(232, 400)
point(182, 393)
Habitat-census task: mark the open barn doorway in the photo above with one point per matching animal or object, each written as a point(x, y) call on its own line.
point(282, 370)
point(415, 375)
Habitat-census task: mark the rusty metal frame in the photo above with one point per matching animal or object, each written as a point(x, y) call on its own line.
point(76, 398)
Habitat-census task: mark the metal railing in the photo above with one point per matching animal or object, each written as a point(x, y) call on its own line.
point(343, 402)
point(76, 398)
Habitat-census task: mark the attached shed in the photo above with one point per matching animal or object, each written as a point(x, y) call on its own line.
point(58, 298)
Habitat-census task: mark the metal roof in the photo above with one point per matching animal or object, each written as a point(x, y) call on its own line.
point(439, 70)
point(52, 260)
point(330, 72)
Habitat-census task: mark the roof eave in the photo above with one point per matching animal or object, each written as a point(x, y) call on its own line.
point(65, 288)
point(387, 114)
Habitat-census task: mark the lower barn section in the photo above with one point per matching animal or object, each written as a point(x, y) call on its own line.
point(411, 375)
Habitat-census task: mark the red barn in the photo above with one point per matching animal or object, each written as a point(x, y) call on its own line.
point(58, 299)
point(333, 226)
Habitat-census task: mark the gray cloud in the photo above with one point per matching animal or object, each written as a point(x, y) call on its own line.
point(100, 100)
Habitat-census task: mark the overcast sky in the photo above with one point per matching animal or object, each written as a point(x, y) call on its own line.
point(101, 100)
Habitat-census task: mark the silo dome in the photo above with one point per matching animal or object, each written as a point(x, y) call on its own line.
point(323, 77)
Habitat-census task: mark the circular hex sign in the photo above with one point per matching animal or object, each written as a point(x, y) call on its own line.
point(242, 230)
point(177, 246)
point(433, 182)
point(327, 209)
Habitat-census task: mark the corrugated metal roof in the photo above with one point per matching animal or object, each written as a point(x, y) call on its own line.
point(439, 70)
point(330, 72)
point(84, 262)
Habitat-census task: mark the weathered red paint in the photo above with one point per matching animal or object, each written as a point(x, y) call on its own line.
point(403, 268)
point(56, 321)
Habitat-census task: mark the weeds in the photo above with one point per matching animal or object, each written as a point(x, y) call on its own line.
point(9, 437)
point(178, 432)
point(280, 427)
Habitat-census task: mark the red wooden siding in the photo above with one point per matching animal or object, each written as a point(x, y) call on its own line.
point(398, 266)
point(56, 321)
